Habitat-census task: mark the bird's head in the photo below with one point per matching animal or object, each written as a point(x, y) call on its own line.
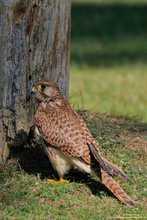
point(45, 90)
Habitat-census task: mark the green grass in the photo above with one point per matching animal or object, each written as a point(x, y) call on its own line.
point(108, 57)
point(26, 194)
point(108, 74)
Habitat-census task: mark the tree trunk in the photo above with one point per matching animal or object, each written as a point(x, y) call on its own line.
point(35, 38)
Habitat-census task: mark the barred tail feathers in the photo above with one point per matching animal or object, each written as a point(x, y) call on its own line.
point(110, 168)
point(110, 183)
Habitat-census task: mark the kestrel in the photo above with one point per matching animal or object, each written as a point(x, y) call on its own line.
point(68, 142)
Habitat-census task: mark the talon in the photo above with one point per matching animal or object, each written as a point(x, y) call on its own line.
point(61, 180)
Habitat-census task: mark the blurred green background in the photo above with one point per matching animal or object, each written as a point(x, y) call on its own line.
point(109, 56)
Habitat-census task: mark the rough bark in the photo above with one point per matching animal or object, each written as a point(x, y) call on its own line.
point(34, 42)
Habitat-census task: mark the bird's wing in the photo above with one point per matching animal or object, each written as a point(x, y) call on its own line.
point(66, 136)
point(74, 139)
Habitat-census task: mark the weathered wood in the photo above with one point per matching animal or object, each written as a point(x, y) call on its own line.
point(34, 42)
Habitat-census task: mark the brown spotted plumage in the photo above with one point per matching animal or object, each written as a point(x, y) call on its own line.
point(68, 142)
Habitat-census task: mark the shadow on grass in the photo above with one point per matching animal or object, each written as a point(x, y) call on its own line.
point(108, 34)
point(34, 161)
point(102, 122)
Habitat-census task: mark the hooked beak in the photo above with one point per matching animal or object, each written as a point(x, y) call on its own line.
point(33, 90)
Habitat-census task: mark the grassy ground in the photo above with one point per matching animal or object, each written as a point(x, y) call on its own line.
point(108, 57)
point(108, 74)
point(26, 194)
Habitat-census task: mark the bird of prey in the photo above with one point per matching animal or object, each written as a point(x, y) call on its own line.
point(68, 141)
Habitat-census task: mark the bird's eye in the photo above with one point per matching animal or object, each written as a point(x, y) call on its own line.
point(43, 86)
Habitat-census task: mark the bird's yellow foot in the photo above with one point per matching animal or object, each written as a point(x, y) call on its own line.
point(61, 180)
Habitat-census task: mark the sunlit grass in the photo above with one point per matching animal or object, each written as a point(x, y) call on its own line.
point(113, 90)
point(109, 57)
